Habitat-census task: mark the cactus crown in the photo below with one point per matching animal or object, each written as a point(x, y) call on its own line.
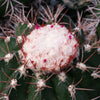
point(40, 58)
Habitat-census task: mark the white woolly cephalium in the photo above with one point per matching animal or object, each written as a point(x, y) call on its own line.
point(49, 48)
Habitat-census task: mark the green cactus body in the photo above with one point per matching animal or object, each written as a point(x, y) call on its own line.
point(48, 61)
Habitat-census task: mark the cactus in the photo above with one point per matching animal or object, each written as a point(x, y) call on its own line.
point(50, 56)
